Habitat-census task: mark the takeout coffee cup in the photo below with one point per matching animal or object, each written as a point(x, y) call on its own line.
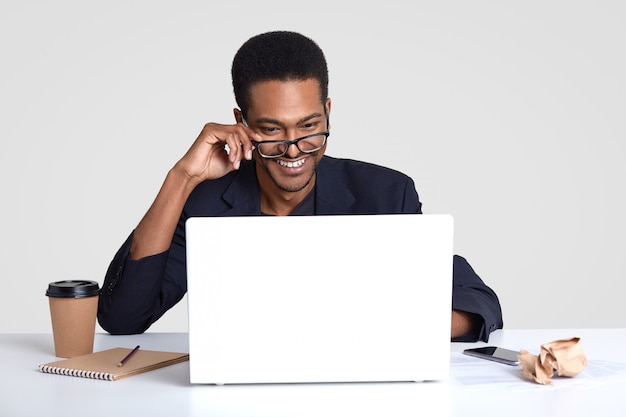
point(73, 309)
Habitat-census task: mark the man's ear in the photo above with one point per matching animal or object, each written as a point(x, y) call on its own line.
point(238, 115)
point(328, 113)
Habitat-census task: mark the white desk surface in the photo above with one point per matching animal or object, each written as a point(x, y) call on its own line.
point(24, 391)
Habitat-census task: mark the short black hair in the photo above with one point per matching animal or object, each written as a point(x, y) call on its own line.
point(277, 56)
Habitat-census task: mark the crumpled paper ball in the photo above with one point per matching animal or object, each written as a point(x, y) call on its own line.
point(563, 357)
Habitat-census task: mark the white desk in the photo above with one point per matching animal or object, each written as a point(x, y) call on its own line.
point(24, 391)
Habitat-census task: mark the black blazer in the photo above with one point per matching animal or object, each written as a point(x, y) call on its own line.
point(135, 293)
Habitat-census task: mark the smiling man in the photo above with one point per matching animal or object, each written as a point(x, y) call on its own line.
point(269, 162)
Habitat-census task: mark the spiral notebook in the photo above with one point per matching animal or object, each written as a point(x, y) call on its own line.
point(104, 364)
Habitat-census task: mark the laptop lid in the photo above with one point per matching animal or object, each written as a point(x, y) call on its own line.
point(349, 298)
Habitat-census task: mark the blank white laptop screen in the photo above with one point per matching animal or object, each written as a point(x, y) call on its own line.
point(301, 299)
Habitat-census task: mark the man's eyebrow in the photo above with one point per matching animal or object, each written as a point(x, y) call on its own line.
point(281, 124)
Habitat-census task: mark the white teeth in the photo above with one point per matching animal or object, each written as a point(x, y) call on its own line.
point(289, 164)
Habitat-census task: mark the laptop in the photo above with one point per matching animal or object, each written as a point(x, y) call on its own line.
point(315, 299)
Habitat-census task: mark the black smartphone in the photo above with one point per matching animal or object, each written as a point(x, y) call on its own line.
point(493, 353)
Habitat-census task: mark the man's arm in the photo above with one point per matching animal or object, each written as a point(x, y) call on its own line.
point(153, 235)
point(135, 292)
point(474, 301)
point(476, 309)
point(143, 280)
point(205, 160)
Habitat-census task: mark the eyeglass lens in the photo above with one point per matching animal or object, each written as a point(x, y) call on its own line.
point(307, 145)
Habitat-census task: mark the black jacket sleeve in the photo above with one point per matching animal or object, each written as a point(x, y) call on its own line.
point(136, 293)
point(470, 294)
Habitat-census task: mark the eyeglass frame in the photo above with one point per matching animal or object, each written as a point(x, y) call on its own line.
point(296, 142)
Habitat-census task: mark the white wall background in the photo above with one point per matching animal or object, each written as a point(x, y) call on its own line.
point(508, 115)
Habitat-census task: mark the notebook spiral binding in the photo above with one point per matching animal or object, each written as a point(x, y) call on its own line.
point(76, 372)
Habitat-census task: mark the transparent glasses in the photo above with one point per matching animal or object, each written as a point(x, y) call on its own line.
point(277, 148)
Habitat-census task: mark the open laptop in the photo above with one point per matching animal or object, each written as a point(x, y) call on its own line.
point(302, 299)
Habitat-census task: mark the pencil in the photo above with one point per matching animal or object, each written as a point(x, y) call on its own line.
point(132, 352)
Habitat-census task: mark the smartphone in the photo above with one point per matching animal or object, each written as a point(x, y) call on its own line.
point(494, 353)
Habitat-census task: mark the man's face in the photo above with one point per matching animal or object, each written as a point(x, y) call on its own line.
point(287, 110)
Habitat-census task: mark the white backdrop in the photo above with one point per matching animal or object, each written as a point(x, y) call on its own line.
point(508, 115)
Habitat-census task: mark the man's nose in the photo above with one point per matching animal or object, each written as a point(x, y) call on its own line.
point(292, 151)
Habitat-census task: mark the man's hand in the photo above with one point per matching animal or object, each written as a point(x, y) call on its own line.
point(462, 323)
point(208, 158)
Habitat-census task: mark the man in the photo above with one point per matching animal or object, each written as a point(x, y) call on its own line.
point(271, 162)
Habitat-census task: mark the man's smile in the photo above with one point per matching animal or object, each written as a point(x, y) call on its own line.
point(291, 164)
